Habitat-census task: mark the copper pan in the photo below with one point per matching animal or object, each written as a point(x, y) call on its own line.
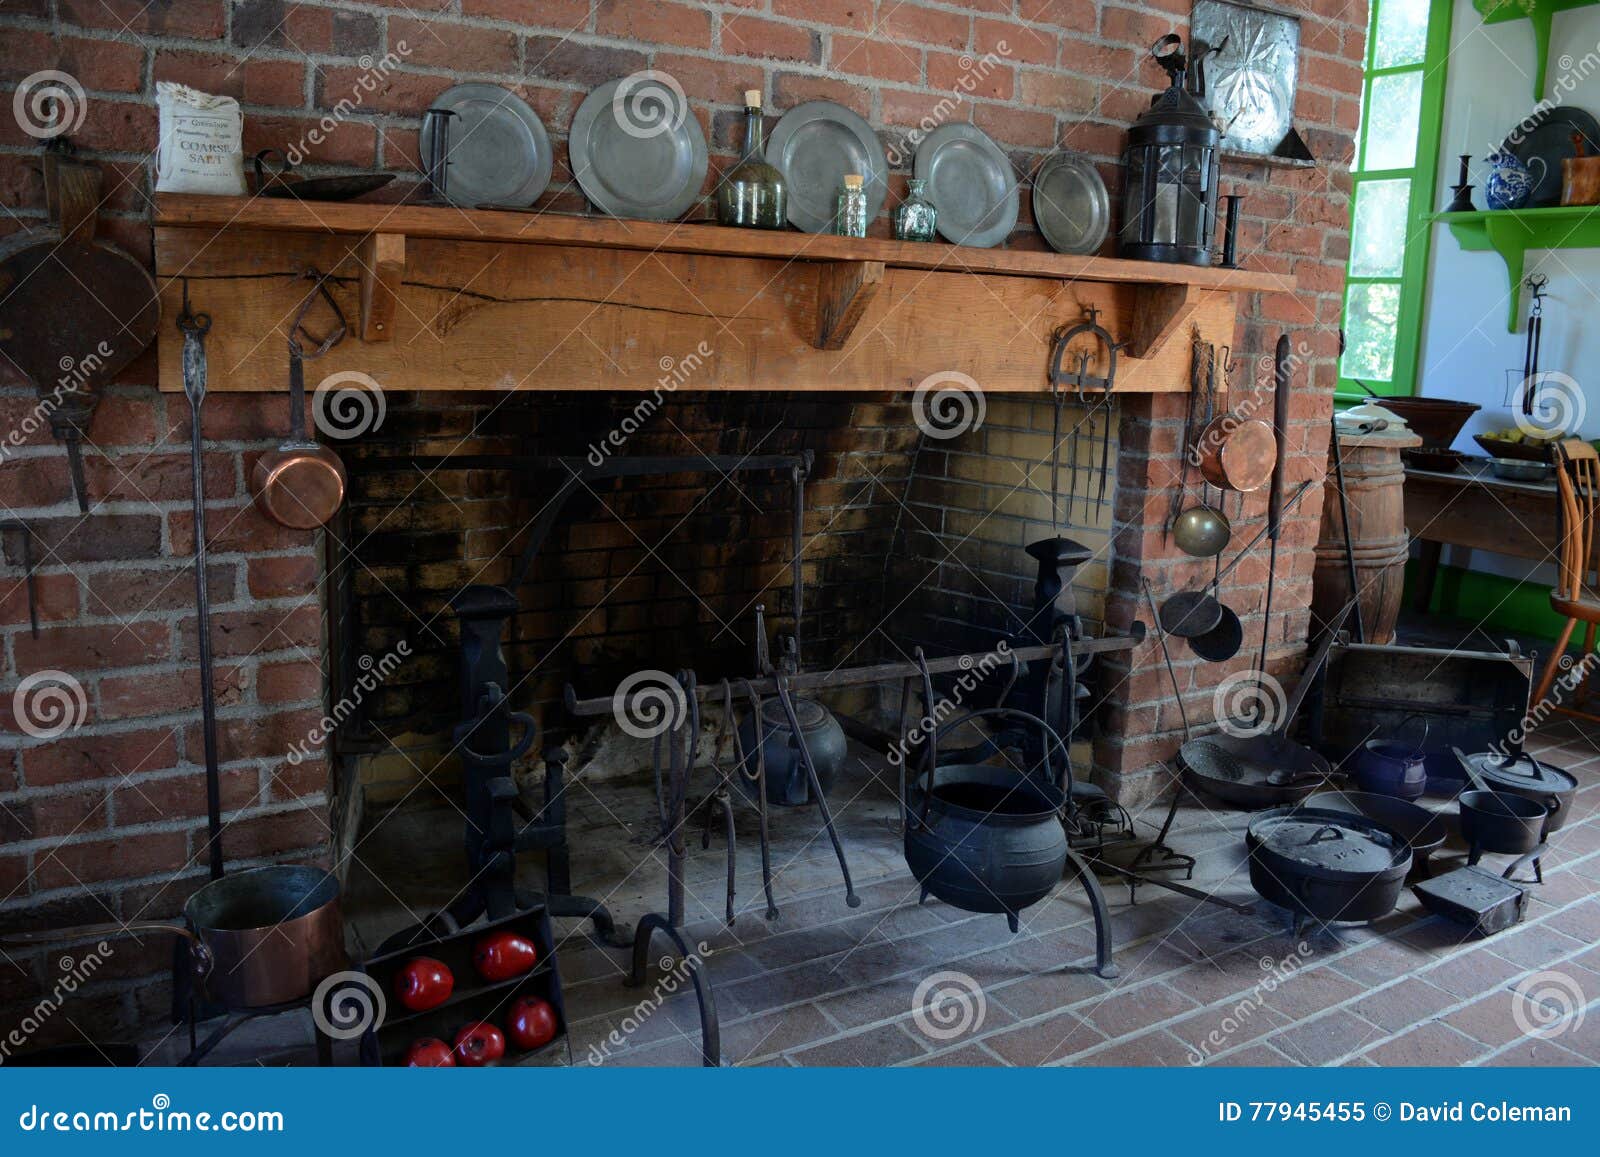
point(301, 484)
point(257, 938)
point(1235, 452)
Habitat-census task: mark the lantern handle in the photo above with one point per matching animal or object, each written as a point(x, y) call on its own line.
point(1168, 53)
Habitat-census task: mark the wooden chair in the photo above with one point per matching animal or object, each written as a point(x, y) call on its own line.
point(1576, 595)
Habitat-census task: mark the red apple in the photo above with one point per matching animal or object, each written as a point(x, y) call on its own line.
point(531, 1023)
point(423, 983)
point(478, 1043)
point(503, 955)
point(429, 1053)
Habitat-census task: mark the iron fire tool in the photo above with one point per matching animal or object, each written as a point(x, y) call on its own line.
point(1081, 380)
point(1530, 357)
point(28, 577)
point(194, 327)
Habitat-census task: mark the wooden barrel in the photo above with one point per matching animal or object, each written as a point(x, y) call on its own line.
point(1374, 480)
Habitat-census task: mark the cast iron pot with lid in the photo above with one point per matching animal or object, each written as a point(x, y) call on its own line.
point(257, 938)
point(1423, 830)
point(1522, 774)
point(1329, 865)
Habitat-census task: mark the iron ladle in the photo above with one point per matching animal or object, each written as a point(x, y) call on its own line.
point(1191, 613)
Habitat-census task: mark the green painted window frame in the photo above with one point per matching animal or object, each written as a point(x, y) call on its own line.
point(1423, 175)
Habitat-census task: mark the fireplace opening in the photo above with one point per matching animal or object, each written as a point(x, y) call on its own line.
point(906, 540)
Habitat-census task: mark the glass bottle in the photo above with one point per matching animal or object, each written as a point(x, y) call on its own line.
point(914, 217)
point(850, 211)
point(754, 195)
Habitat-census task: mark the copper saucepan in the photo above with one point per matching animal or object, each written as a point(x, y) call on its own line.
point(1236, 453)
point(301, 484)
point(257, 938)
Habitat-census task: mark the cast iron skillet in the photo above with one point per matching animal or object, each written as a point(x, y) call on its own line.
point(1264, 769)
point(1422, 830)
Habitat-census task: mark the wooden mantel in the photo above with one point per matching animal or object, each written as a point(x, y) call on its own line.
point(447, 299)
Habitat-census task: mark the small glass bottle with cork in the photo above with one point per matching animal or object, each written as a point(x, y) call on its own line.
point(850, 212)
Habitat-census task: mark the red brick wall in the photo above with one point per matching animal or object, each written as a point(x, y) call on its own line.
point(96, 824)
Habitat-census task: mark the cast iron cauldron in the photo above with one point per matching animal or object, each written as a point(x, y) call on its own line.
point(985, 838)
point(787, 783)
point(1386, 767)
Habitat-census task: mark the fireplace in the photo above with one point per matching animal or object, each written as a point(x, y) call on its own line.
point(906, 540)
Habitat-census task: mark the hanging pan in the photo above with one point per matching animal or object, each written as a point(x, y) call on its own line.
point(301, 484)
point(1190, 613)
point(1235, 453)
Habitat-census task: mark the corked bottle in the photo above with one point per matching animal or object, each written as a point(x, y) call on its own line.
point(754, 195)
point(850, 214)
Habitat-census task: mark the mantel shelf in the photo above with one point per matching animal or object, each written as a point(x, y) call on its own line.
point(1513, 232)
point(523, 300)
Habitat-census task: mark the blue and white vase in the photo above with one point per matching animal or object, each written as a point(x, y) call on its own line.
point(1510, 182)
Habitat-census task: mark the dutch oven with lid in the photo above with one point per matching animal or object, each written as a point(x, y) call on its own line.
point(1326, 864)
point(1533, 779)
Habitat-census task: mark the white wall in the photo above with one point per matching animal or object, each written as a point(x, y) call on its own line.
point(1466, 349)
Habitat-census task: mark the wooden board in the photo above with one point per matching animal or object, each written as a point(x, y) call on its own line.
point(1484, 514)
point(484, 315)
point(485, 225)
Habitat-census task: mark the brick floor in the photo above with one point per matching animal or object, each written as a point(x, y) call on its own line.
point(829, 985)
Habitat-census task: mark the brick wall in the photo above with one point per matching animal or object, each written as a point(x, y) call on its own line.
point(104, 822)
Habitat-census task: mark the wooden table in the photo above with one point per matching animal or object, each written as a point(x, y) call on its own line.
point(1473, 508)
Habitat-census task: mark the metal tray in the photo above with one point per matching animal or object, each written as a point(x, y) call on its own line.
point(1070, 203)
point(499, 151)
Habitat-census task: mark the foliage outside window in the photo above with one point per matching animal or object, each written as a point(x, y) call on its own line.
point(1392, 196)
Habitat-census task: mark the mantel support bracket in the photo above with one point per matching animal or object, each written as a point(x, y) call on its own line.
point(1159, 311)
point(383, 266)
point(844, 291)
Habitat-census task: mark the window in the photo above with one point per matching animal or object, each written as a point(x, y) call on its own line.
point(1392, 198)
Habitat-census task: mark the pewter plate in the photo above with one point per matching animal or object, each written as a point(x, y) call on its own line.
point(499, 151)
point(637, 150)
point(1250, 82)
point(970, 182)
point(1070, 204)
point(814, 145)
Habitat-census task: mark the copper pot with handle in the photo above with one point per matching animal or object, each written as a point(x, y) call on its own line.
point(1235, 452)
point(257, 938)
point(301, 484)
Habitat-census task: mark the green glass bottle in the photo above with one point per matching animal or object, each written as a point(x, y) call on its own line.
point(754, 195)
point(915, 217)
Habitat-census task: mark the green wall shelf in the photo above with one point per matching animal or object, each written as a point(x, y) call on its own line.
point(1512, 232)
point(1539, 13)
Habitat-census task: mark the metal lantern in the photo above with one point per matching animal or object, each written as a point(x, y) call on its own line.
point(1169, 195)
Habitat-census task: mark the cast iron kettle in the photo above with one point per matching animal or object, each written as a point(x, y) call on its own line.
point(787, 784)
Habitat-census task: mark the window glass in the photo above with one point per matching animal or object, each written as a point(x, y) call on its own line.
point(1378, 232)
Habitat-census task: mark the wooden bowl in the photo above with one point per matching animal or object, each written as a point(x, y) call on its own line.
point(1523, 451)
